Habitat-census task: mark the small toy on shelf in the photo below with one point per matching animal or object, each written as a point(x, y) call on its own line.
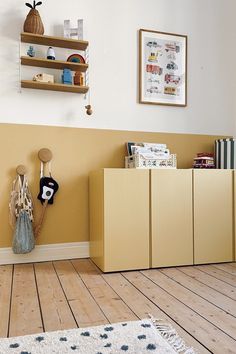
point(51, 54)
point(204, 160)
point(31, 51)
point(78, 79)
point(76, 32)
point(44, 78)
point(76, 58)
point(66, 77)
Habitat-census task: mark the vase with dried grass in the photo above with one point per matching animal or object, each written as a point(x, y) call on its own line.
point(33, 22)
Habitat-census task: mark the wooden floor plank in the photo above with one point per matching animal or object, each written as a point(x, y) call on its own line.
point(218, 273)
point(208, 311)
point(143, 307)
point(208, 334)
point(84, 307)
point(228, 268)
point(210, 281)
point(55, 309)
point(5, 298)
point(25, 312)
point(198, 301)
point(112, 306)
point(209, 294)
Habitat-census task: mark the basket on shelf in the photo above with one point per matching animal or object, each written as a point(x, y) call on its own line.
point(140, 161)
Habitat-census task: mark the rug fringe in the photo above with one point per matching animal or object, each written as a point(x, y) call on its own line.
point(171, 336)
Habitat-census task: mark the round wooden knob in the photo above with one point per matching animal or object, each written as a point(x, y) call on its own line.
point(45, 155)
point(21, 170)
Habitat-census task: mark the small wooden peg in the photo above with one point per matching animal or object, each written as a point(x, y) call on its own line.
point(45, 155)
point(89, 110)
point(21, 170)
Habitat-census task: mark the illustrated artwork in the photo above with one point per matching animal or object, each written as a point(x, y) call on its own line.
point(163, 68)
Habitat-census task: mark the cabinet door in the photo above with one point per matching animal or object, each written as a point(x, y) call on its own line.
point(213, 211)
point(96, 217)
point(171, 217)
point(234, 242)
point(126, 219)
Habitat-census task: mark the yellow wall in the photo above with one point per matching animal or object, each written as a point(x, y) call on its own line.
point(76, 153)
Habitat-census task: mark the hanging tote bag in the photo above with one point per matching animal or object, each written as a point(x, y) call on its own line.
point(21, 217)
point(23, 239)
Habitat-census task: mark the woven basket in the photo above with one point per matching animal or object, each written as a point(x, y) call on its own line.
point(138, 161)
point(33, 23)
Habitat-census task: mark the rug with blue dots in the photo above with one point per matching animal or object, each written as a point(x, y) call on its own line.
point(134, 337)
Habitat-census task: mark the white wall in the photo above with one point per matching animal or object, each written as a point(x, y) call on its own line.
point(112, 30)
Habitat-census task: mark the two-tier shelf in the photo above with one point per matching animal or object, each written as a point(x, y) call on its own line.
point(53, 64)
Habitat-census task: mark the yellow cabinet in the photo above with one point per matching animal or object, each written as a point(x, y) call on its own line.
point(213, 216)
point(171, 218)
point(234, 243)
point(119, 219)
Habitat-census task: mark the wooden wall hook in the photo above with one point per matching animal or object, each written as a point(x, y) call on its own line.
point(45, 155)
point(21, 170)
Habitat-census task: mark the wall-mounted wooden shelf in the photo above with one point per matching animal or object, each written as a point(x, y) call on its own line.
point(53, 87)
point(53, 41)
point(53, 64)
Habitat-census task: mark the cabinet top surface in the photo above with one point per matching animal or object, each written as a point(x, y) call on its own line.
point(212, 170)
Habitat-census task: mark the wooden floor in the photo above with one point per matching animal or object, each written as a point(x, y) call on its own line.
point(200, 301)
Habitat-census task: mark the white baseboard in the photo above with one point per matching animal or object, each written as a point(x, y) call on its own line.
point(52, 252)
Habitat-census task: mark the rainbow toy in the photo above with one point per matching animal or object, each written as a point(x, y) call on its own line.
point(76, 58)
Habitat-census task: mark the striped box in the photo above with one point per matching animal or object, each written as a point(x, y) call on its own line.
point(225, 153)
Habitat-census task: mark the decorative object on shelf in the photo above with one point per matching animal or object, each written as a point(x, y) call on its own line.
point(225, 153)
point(76, 32)
point(51, 54)
point(21, 213)
point(44, 78)
point(89, 110)
point(33, 22)
point(162, 68)
point(31, 51)
point(78, 79)
point(66, 77)
point(149, 155)
point(76, 58)
point(204, 160)
point(48, 186)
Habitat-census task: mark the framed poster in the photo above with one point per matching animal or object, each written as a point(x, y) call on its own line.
point(162, 68)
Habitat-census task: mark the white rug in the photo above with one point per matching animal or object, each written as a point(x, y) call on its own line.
point(136, 337)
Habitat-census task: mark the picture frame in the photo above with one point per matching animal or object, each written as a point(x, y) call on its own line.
point(162, 68)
